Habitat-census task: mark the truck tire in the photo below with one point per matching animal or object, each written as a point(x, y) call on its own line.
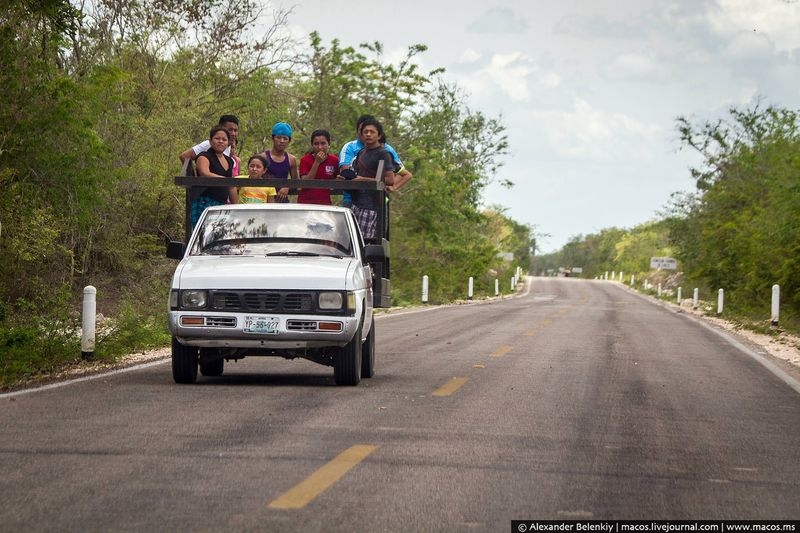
point(368, 354)
point(184, 362)
point(347, 364)
point(211, 367)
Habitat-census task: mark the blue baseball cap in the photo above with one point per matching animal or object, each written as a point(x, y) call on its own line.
point(282, 128)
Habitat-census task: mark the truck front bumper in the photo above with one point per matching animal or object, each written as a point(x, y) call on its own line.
point(229, 330)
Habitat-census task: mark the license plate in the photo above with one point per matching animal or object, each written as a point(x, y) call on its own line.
point(261, 324)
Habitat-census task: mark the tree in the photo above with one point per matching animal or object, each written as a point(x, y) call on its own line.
point(739, 232)
point(439, 228)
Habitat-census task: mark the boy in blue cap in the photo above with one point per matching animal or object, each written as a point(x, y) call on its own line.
point(280, 163)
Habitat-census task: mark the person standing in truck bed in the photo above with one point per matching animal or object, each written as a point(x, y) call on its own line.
point(365, 166)
point(216, 164)
point(256, 168)
point(280, 163)
point(230, 123)
point(318, 164)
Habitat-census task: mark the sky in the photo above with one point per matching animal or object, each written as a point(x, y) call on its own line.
point(589, 91)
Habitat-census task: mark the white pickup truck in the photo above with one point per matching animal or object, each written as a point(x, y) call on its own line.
point(286, 280)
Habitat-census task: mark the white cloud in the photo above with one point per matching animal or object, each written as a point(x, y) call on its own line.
point(469, 56)
point(586, 133)
point(778, 20)
point(499, 20)
point(749, 45)
point(514, 75)
point(549, 79)
point(510, 73)
point(637, 66)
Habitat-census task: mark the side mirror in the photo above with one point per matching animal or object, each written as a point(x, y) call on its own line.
point(176, 250)
point(375, 252)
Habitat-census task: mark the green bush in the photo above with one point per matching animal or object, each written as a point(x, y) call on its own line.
point(134, 329)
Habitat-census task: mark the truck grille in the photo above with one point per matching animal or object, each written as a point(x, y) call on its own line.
point(263, 301)
point(268, 301)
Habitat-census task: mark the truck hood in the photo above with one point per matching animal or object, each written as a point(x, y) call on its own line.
point(240, 272)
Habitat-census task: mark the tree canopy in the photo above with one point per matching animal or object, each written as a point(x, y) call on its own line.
point(739, 230)
point(102, 96)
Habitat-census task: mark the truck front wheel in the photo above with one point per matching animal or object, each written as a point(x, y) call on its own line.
point(184, 362)
point(347, 363)
point(368, 354)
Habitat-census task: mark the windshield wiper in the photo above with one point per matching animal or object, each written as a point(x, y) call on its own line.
point(293, 254)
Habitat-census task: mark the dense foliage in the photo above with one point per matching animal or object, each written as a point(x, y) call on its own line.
point(99, 102)
point(740, 230)
point(613, 250)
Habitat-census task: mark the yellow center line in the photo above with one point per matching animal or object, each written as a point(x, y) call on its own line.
point(450, 387)
point(501, 351)
point(301, 494)
point(530, 333)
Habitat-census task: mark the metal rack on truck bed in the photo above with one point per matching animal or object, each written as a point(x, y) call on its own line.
point(382, 284)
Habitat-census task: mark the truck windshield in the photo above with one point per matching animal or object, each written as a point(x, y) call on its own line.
point(273, 232)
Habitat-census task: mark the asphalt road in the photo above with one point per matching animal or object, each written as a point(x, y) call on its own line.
point(580, 400)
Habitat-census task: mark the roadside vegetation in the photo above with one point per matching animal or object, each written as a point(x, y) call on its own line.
point(739, 231)
point(98, 104)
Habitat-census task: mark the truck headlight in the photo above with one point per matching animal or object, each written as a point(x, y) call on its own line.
point(330, 300)
point(193, 299)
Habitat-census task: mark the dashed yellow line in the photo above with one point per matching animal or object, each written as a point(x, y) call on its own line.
point(301, 494)
point(531, 332)
point(501, 351)
point(450, 387)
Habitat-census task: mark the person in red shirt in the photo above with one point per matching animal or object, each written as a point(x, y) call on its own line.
point(318, 164)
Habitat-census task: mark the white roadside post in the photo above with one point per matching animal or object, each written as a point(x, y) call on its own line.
point(695, 298)
point(720, 301)
point(496, 287)
point(513, 285)
point(425, 289)
point(659, 290)
point(621, 276)
point(89, 319)
point(633, 280)
point(776, 304)
point(469, 289)
point(680, 289)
